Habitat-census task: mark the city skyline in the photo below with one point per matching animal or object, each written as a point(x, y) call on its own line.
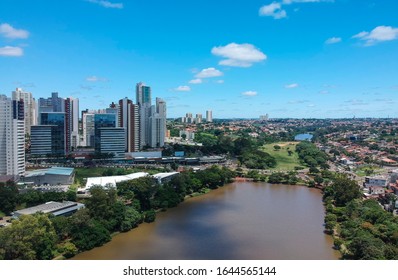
point(287, 58)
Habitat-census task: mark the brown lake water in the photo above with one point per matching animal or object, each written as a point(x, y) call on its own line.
point(242, 220)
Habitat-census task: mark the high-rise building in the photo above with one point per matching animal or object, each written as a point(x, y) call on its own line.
point(143, 99)
point(88, 129)
point(70, 107)
point(157, 122)
point(198, 118)
point(29, 107)
point(101, 121)
point(209, 116)
point(111, 140)
point(128, 118)
point(46, 141)
point(12, 136)
point(58, 132)
point(74, 121)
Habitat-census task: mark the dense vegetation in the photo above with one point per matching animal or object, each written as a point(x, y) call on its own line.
point(362, 229)
point(11, 198)
point(42, 236)
point(283, 178)
point(311, 156)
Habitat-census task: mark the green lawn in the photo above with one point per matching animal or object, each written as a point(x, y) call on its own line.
point(285, 162)
point(368, 170)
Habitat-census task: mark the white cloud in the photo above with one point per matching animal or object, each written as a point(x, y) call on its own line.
point(96, 79)
point(183, 88)
point(220, 81)
point(324, 92)
point(208, 73)
point(249, 93)
point(195, 81)
point(272, 10)
point(275, 9)
point(11, 51)
point(10, 32)
point(107, 4)
point(292, 85)
point(379, 34)
point(333, 40)
point(238, 55)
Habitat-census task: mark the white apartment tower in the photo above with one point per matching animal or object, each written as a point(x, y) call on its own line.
point(157, 124)
point(74, 121)
point(12, 136)
point(29, 107)
point(209, 116)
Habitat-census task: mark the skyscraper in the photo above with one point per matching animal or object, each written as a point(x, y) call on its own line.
point(70, 107)
point(143, 99)
point(157, 124)
point(58, 133)
point(29, 107)
point(109, 139)
point(88, 129)
point(12, 136)
point(128, 118)
point(209, 116)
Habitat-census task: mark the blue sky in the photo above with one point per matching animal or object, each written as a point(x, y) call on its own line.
point(287, 58)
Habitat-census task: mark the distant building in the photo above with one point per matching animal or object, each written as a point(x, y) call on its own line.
point(209, 116)
point(65, 208)
point(198, 119)
point(264, 117)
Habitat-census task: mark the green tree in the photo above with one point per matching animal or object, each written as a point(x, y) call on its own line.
point(28, 238)
point(8, 197)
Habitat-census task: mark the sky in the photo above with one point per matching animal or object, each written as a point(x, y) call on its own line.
point(240, 59)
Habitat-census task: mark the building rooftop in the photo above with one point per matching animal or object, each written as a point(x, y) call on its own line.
point(112, 180)
point(161, 176)
point(48, 207)
point(53, 171)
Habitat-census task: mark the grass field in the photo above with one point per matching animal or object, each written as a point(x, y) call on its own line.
point(285, 162)
point(368, 170)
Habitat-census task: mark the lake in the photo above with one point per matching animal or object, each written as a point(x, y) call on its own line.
point(244, 220)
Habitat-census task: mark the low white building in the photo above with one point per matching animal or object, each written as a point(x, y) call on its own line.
point(111, 181)
point(65, 208)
